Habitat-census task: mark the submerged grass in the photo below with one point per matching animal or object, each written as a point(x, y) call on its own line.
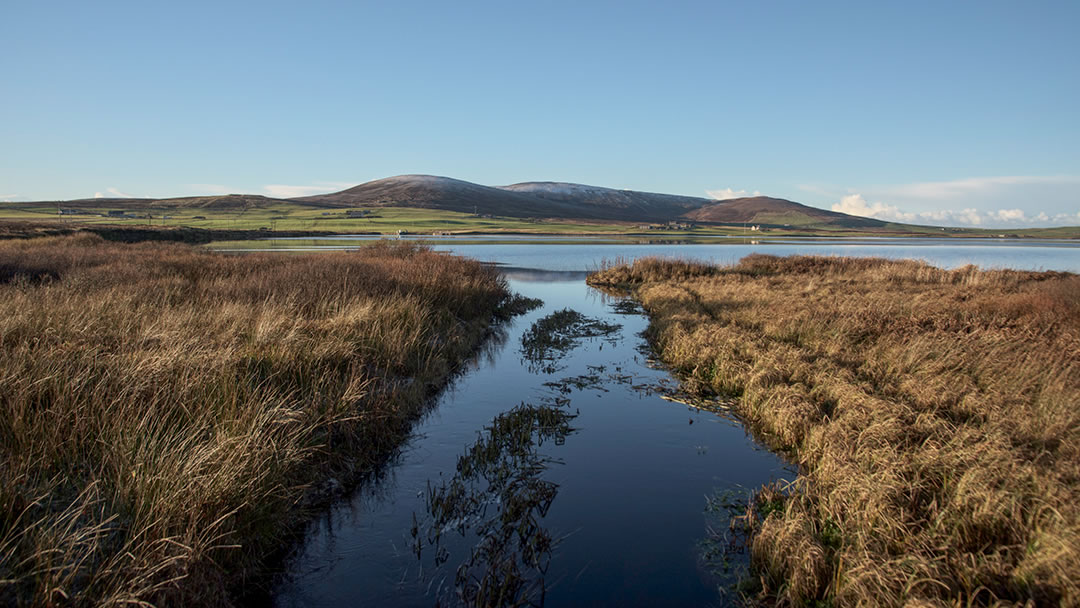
point(500, 473)
point(165, 413)
point(933, 414)
point(552, 337)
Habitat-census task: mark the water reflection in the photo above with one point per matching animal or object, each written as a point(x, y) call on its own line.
point(536, 275)
point(613, 516)
point(501, 473)
point(725, 547)
point(579, 254)
point(549, 339)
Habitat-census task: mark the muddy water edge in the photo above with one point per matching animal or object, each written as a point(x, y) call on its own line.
point(560, 469)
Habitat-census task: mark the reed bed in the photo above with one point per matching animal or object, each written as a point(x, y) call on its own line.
point(933, 413)
point(167, 415)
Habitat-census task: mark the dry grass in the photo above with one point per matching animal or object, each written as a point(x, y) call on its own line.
point(934, 414)
point(165, 412)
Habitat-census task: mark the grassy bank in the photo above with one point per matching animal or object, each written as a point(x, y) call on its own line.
point(138, 234)
point(297, 219)
point(933, 414)
point(304, 218)
point(167, 415)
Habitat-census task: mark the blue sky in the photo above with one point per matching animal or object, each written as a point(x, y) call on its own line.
point(951, 112)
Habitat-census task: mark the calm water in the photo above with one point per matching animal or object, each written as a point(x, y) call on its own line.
point(629, 509)
point(621, 493)
point(582, 254)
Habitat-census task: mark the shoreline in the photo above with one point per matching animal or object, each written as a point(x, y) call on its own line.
point(121, 233)
point(201, 408)
point(927, 474)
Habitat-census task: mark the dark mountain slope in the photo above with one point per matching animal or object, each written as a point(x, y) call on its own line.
point(629, 205)
point(768, 210)
point(549, 200)
point(433, 192)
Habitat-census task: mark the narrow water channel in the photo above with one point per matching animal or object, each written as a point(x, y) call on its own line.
point(601, 498)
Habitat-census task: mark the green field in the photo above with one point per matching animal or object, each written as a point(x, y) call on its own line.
point(299, 217)
point(390, 220)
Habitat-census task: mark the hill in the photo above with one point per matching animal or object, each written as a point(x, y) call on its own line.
point(628, 205)
point(445, 193)
point(579, 202)
point(527, 200)
point(768, 210)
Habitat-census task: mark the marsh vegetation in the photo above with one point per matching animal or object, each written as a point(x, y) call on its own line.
point(932, 413)
point(169, 416)
point(549, 339)
point(499, 494)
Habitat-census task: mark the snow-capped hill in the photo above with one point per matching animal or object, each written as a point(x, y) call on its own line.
point(564, 188)
point(568, 201)
point(427, 180)
point(649, 206)
point(534, 200)
point(531, 199)
point(447, 193)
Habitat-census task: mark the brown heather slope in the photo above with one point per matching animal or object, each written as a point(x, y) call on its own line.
point(433, 192)
point(933, 414)
point(628, 205)
point(577, 201)
point(525, 200)
point(166, 413)
point(136, 234)
point(537, 200)
point(768, 210)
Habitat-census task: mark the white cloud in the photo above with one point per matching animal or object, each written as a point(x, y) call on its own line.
point(7, 198)
point(113, 193)
point(1009, 215)
point(856, 204)
point(1002, 201)
point(969, 216)
point(286, 191)
point(727, 193)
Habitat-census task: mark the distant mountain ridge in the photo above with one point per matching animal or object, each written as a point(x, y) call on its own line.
point(530, 199)
point(628, 204)
point(769, 210)
point(541, 200)
point(579, 201)
point(445, 193)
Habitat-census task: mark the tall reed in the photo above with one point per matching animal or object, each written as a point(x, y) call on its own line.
point(165, 413)
point(933, 413)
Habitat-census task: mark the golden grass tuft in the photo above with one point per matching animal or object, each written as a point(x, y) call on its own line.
point(933, 413)
point(165, 412)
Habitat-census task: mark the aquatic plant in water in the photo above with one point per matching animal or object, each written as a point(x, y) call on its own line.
point(725, 548)
point(627, 306)
point(932, 413)
point(500, 472)
point(169, 415)
point(552, 337)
